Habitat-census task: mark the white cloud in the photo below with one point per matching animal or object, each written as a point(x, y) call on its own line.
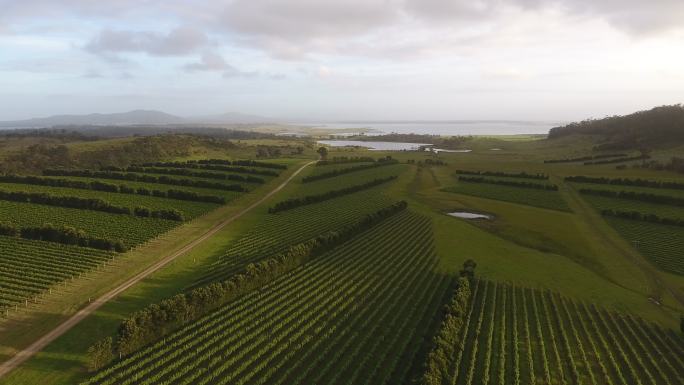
point(179, 41)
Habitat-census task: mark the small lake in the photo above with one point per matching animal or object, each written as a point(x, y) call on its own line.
point(469, 215)
point(375, 146)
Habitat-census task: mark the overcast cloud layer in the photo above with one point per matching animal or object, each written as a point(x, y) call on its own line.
point(352, 59)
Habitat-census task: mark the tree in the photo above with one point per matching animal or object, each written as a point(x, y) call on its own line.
point(681, 323)
point(468, 269)
point(100, 354)
point(323, 152)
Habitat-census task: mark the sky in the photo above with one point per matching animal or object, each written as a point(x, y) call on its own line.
point(557, 60)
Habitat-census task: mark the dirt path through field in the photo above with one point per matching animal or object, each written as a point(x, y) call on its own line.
point(46, 339)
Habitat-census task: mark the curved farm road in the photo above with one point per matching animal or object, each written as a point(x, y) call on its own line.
point(43, 341)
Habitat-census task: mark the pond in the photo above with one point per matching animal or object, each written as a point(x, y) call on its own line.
point(469, 215)
point(375, 146)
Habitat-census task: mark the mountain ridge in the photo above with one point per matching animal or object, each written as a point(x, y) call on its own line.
point(131, 118)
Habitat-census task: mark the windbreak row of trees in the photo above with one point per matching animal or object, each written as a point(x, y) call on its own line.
point(637, 216)
point(523, 174)
point(109, 187)
point(215, 167)
point(618, 160)
point(145, 178)
point(63, 234)
point(341, 171)
point(189, 172)
point(248, 163)
point(86, 204)
point(427, 162)
point(675, 164)
point(157, 320)
point(538, 186)
point(636, 196)
point(626, 182)
point(310, 199)
point(439, 368)
point(345, 159)
point(586, 158)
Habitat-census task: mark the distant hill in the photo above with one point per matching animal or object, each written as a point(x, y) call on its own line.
point(136, 117)
point(660, 126)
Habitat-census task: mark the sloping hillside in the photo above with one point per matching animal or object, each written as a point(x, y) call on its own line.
point(658, 127)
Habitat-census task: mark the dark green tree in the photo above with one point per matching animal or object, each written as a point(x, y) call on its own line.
point(468, 269)
point(100, 354)
point(323, 152)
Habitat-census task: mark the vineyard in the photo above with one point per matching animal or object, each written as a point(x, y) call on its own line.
point(350, 179)
point(28, 268)
point(189, 209)
point(355, 315)
point(662, 244)
point(229, 195)
point(515, 335)
point(532, 197)
point(277, 232)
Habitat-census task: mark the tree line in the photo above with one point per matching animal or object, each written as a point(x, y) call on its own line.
point(341, 171)
point(448, 340)
point(109, 187)
point(538, 186)
point(248, 163)
point(585, 158)
point(619, 160)
point(427, 162)
point(216, 167)
point(626, 182)
point(675, 164)
point(636, 196)
point(157, 320)
point(187, 172)
point(93, 204)
point(144, 178)
point(62, 234)
point(345, 159)
point(637, 216)
point(523, 174)
point(310, 199)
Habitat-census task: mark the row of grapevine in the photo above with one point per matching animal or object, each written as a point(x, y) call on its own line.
point(519, 335)
point(29, 268)
point(532, 197)
point(189, 209)
point(662, 244)
point(275, 232)
point(352, 316)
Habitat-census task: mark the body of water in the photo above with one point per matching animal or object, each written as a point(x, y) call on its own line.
point(446, 128)
point(468, 215)
point(376, 146)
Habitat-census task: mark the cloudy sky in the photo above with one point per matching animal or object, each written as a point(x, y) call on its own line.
point(351, 59)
